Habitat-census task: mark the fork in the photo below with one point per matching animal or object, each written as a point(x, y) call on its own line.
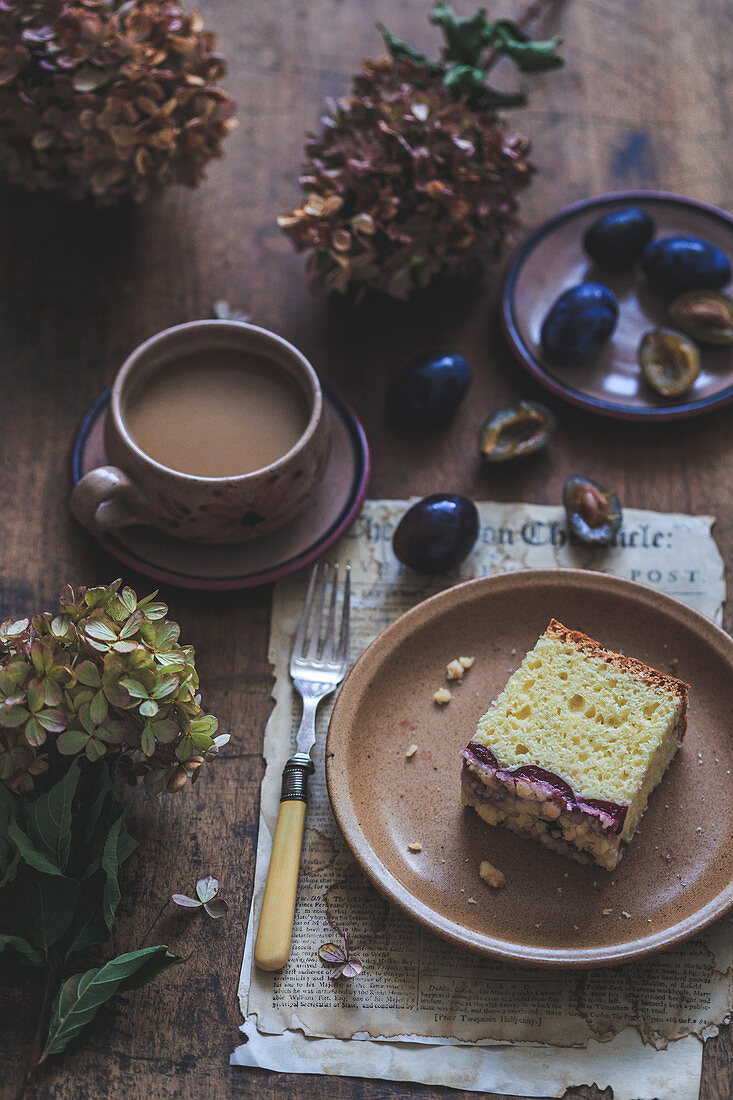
point(318, 664)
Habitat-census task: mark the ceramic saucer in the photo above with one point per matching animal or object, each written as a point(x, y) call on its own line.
point(243, 565)
point(552, 259)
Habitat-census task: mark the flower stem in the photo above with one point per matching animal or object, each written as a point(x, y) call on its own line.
point(27, 1090)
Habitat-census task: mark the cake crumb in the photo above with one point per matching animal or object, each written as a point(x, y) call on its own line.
point(442, 696)
point(414, 847)
point(411, 751)
point(491, 875)
point(607, 912)
point(471, 901)
point(455, 669)
point(625, 914)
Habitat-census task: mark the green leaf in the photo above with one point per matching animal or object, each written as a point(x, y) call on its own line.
point(206, 724)
point(49, 818)
point(71, 741)
point(100, 894)
point(465, 38)
point(164, 731)
point(135, 688)
point(54, 721)
point(94, 749)
point(99, 631)
point(399, 50)
point(30, 853)
point(85, 717)
point(148, 708)
point(202, 741)
point(132, 625)
point(22, 947)
point(166, 686)
point(87, 673)
point(128, 598)
point(110, 866)
point(52, 693)
point(147, 741)
point(98, 708)
point(40, 906)
point(529, 56)
point(89, 928)
point(35, 734)
point(155, 610)
point(41, 656)
point(81, 996)
point(13, 716)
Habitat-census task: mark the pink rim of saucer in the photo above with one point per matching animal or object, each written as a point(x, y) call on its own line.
point(352, 504)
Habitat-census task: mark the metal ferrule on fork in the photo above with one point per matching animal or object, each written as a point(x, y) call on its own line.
point(295, 777)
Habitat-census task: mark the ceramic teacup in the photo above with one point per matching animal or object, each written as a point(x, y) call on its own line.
point(138, 489)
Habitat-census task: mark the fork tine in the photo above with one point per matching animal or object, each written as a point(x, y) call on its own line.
point(312, 651)
point(304, 615)
point(329, 638)
point(342, 653)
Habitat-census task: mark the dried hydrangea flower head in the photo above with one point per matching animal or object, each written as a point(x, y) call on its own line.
point(106, 674)
point(413, 174)
point(107, 99)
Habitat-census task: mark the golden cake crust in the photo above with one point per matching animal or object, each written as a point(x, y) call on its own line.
point(591, 648)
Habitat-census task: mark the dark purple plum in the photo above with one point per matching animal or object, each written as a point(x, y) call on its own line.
point(673, 265)
point(578, 324)
point(437, 533)
point(426, 393)
point(616, 240)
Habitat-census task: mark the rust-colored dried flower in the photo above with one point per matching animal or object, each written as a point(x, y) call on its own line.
point(414, 174)
point(107, 99)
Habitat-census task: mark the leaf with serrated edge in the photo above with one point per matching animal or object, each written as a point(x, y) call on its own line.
point(82, 995)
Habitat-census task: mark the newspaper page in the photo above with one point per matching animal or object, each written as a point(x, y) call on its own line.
point(404, 989)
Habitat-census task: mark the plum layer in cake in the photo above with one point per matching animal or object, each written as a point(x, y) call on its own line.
point(574, 745)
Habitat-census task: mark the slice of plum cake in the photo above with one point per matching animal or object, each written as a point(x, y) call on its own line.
point(574, 745)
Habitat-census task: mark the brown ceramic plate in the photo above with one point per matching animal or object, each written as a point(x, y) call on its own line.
point(677, 875)
point(552, 259)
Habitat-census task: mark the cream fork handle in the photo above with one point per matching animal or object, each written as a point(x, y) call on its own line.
point(275, 930)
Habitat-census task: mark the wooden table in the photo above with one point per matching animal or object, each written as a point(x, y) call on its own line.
point(644, 101)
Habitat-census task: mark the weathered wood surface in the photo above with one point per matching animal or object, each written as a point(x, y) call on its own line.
point(644, 101)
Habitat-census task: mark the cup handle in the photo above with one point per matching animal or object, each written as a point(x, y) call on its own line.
point(106, 499)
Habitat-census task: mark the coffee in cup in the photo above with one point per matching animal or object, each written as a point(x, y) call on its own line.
point(215, 432)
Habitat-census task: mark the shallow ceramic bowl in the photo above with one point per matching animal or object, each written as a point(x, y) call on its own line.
point(552, 259)
point(677, 874)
